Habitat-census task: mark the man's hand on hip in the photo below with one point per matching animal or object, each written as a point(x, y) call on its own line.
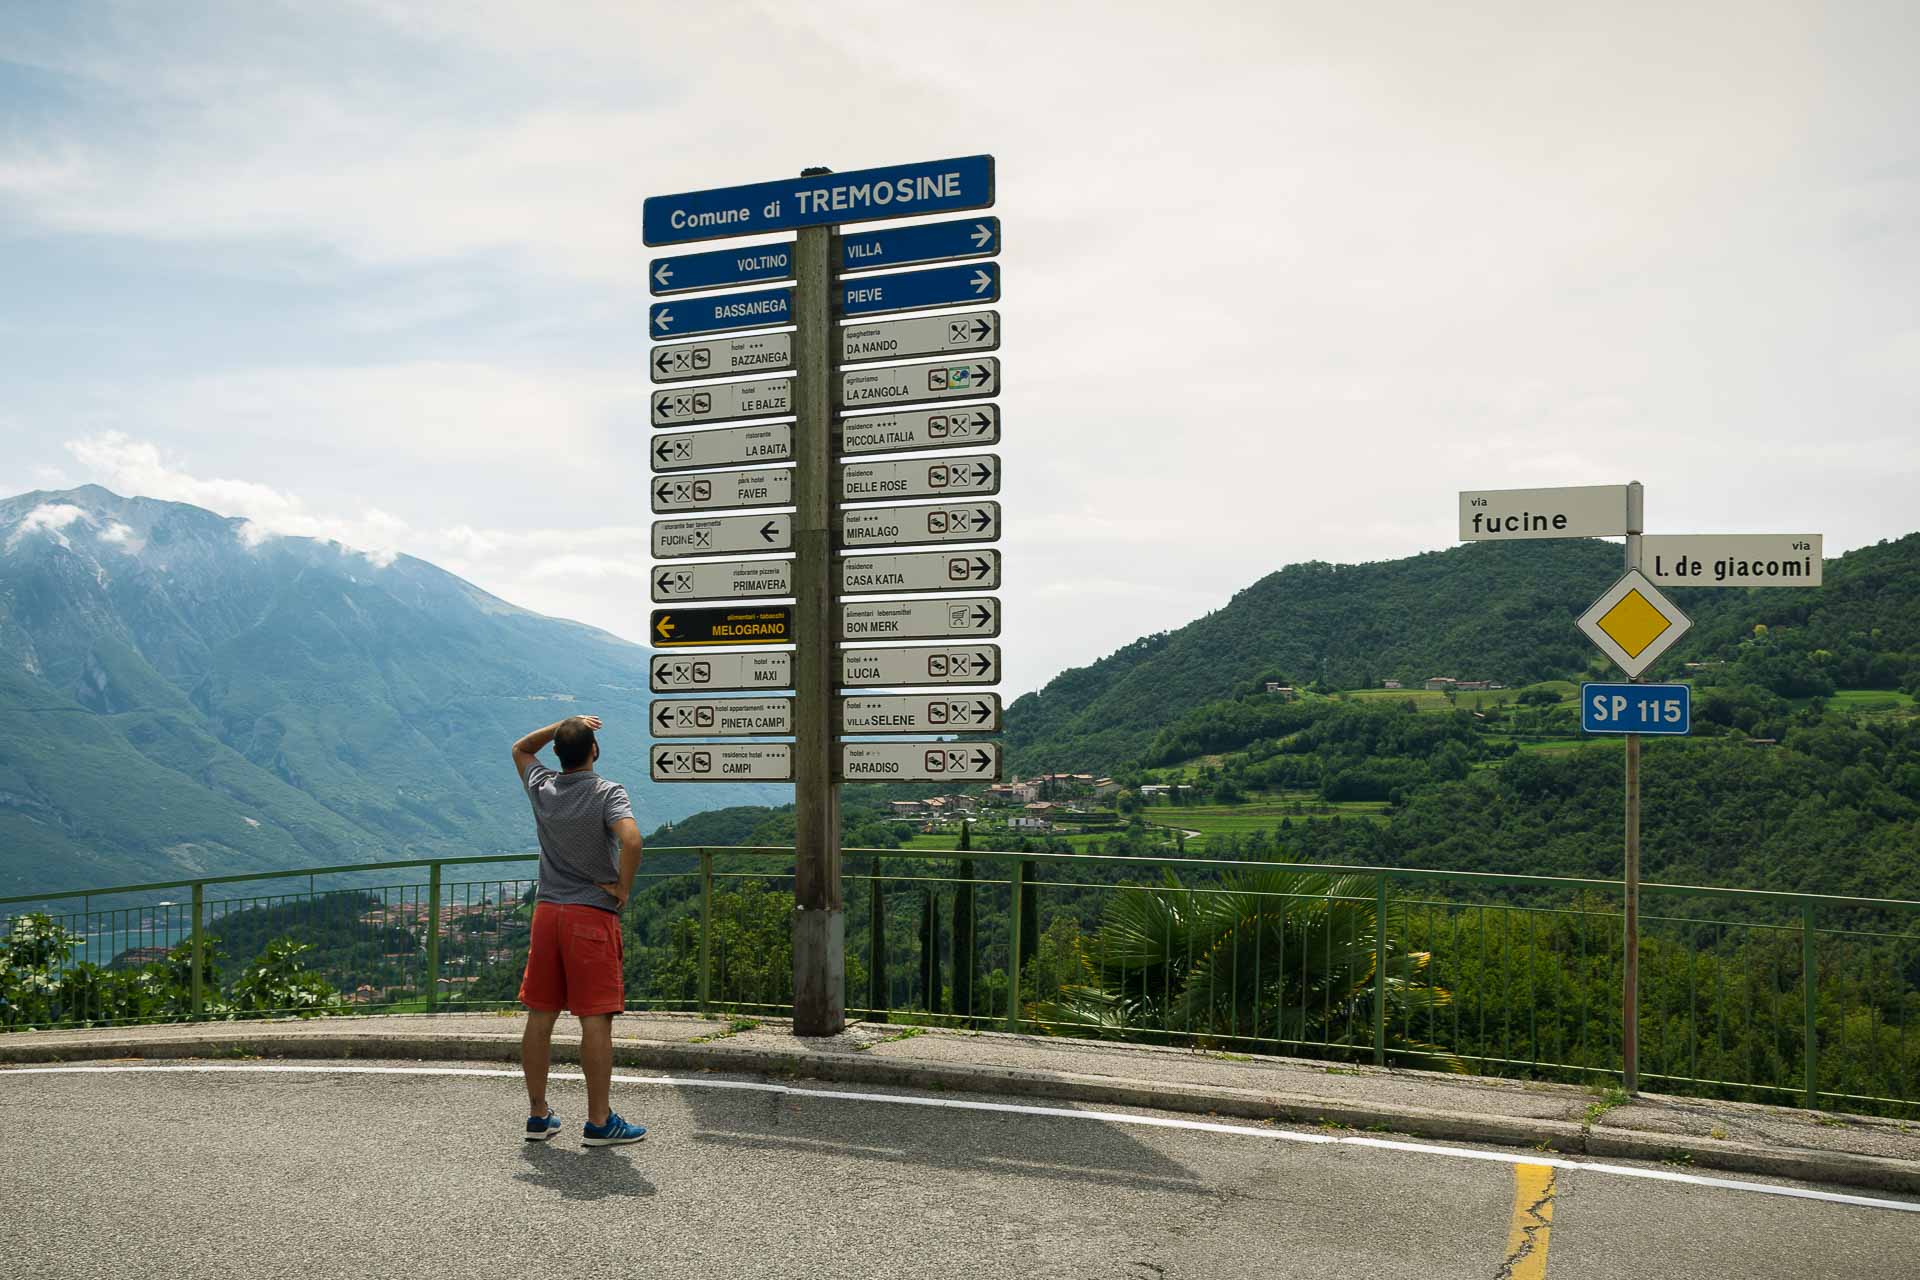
point(617, 893)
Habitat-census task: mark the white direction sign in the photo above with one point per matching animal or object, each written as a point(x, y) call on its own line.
point(720, 672)
point(720, 490)
point(1633, 623)
point(722, 580)
point(957, 616)
point(922, 336)
point(721, 357)
point(958, 473)
point(721, 717)
point(914, 383)
point(863, 527)
point(916, 429)
point(1580, 511)
point(719, 535)
point(913, 666)
point(729, 446)
point(919, 571)
point(920, 713)
point(722, 762)
point(724, 402)
point(1732, 560)
point(920, 762)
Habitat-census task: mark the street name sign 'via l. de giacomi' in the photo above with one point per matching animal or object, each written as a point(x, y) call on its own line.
point(1732, 559)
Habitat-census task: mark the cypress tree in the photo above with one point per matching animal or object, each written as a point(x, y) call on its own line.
point(877, 943)
point(1029, 914)
point(963, 958)
point(930, 950)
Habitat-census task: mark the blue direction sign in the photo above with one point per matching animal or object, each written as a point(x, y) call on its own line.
point(931, 242)
point(721, 312)
point(1636, 708)
point(719, 268)
point(912, 290)
point(896, 191)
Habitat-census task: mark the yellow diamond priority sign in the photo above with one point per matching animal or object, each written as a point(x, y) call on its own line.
point(1633, 623)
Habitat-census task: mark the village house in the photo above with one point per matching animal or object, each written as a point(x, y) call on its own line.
point(1284, 692)
point(1105, 787)
point(1390, 684)
point(1440, 684)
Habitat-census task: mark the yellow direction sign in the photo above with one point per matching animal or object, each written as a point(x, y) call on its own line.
point(1633, 623)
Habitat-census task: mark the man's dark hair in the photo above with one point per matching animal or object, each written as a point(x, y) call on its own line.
point(573, 742)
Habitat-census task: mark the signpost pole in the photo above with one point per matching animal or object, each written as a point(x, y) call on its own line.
point(819, 921)
point(1630, 979)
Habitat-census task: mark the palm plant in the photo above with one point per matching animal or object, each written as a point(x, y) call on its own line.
point(1281, 955)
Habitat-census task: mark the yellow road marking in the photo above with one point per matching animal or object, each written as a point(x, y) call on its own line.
point(1526, 1257)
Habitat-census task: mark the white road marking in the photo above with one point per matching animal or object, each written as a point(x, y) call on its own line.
point(1010, 1108)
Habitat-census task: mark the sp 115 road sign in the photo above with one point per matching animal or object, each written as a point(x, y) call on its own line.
point(719, 535)
point(920, 713)
point(1732, 560)
point(912, 383)
point(918, 336)
point(914, 666)
point(929, 242)
point(722, 580)
point(684, 317)
point(719, 268)
point(916, 430)
point(722, 762)
point(957, 616)
point(686, 450)
point(866, 527)
point(1579, 511)
point(967, 473)
point(720, 672)
point(860, 195)
point(1633, 623)
point(722, 717)
point(723, 402)
point(721, 357)
point(917, 290)
point(1636, 708)
point(736, 624)
point(913, 571)
point(719, 490)
point(920, 761)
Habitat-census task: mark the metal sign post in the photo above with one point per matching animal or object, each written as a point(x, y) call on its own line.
point(1630, 970)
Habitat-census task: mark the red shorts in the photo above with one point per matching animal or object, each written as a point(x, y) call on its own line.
point(574, 961)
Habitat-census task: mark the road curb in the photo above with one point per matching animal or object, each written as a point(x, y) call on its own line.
point(1547, 1135)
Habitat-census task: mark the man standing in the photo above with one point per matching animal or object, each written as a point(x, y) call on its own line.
point(574, 962)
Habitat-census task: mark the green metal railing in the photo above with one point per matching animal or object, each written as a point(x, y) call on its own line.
point(1746, 993)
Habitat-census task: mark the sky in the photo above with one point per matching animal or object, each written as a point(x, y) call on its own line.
point(1280, 278)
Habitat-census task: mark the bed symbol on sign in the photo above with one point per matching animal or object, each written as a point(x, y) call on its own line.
point(703, 717)
point(936, 522)
point(936, 762)
point(702, 672)
point(937, 664)
point(937, 427)
point(938, 476)
point(937, 712)
point(936, 379)
point(703, 762)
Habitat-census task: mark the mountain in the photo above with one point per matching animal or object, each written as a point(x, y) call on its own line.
point(1488, 610)
point(181, 696)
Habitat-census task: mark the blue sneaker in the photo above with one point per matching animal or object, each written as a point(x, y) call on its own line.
point(611, 1134)
point(542, 1128)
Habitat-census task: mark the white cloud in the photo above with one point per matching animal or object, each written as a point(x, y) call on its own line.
point(48, 518)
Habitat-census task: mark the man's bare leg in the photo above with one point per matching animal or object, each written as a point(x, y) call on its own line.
point(536, 1050)
point(596, 1063)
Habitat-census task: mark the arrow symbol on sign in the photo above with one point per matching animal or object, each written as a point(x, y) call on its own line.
point(984, 474)
point(982, 282)
point(981, 329)
point(982, 421)
point(982, 761)
point(665, 626)
point(767, 530)
point(664, 319)
point(981, 711)
point(662, 360)
point(664, 274)
point(981, 374)
point(982, 234)
point(980, 567)
point(665, 580)
point(666, 487)
point(983, 616)
point(666, 447)
point(982, 519)
point(666, 714)
point(982, 664)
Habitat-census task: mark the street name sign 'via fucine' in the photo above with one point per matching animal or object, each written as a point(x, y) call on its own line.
point(687, 450)
point(910, 666)
point(825, 272)
point(720, 672)
point(1589, 511)
point(721, 580)
point(917, 430)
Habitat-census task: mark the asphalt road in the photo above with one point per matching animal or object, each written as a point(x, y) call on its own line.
point(245, 1173)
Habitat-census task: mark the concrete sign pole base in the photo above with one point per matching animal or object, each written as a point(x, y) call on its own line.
point(820, 987)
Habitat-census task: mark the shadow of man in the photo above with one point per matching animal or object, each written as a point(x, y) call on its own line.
point(581, 1175)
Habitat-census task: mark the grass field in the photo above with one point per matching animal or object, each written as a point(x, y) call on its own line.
point(1475, 700)
point(1872, 702)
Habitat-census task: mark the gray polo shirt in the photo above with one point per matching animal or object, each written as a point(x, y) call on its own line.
point(574, 814)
